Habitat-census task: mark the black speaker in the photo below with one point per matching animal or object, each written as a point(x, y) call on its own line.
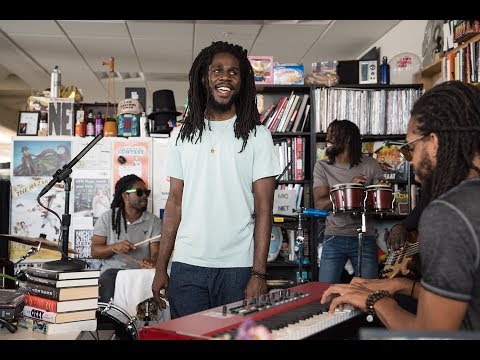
point(347, 72)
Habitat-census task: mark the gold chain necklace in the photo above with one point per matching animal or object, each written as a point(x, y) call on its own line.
point(217, 138)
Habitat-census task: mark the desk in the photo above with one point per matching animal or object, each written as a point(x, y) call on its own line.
point(23, 334)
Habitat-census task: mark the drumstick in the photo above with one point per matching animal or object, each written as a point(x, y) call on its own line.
point(128, 256)
point(146, 240)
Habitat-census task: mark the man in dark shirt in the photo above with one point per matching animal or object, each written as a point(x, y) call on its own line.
point(443, 146)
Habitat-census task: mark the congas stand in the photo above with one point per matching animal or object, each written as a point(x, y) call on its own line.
point(361, 231)
point(299, 245)
point(300, 238)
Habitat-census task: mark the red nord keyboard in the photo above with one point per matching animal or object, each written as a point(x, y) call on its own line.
point(290, 314)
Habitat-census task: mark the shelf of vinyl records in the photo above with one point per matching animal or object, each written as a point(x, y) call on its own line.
point(376, 110)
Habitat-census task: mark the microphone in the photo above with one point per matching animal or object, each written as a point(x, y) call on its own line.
point(315, 212)
point(47, 187)
point(65, 171)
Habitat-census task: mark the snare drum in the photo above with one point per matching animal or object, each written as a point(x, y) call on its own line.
point(112, 317)
point(379, 198)
point(347, 197)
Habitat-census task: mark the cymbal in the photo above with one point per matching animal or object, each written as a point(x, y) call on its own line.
point(46, 244)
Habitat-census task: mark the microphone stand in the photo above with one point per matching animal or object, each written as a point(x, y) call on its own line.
point(299, 245)
point(63, 174)
point(361, 232)
point(279, 177)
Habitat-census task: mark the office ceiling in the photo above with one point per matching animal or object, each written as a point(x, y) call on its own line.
point(157, 54)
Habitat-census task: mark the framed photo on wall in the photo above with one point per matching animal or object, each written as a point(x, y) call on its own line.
point(28, 122)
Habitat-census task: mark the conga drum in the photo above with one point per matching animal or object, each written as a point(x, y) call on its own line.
point(379, 198)
point(347, 197)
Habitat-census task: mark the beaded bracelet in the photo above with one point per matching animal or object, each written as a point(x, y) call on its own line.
point(259, 274)
point(372, 298)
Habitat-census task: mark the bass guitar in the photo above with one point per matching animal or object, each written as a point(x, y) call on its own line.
point(404, 261)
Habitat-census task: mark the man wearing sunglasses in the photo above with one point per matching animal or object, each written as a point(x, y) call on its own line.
point(443, 146)
point(118, 230)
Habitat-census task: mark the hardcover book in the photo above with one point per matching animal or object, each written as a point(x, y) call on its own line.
point(60, 306)
point(51, 329)
point(62, 294)
point(58, 318)
point(62, 275)
point(62, 283)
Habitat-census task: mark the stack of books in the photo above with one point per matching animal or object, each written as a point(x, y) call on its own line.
point(60, 301)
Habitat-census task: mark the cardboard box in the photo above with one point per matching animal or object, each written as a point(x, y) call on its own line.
point(61, 115)
point(288, 74)
point(262, 69)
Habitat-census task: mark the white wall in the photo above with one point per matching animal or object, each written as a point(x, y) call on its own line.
point(407, 36)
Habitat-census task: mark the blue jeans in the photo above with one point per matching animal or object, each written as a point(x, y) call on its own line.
point(337, 249)
point(194, 288)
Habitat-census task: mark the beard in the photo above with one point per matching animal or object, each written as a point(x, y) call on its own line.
point(334, 150)
point(217, 106)
point(424, 174)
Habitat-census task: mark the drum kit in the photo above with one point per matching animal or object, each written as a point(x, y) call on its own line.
point(36, 244)
point(109, 316)
point(356, 198)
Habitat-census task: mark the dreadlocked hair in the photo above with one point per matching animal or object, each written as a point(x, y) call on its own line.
point(198, 93)
point(346, 132)
point(452, 111)
point(118, 204)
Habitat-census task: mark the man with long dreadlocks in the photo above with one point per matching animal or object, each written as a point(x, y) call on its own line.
point(118, 230)
point(222, 169)
point(443, 146)
point(345, 165)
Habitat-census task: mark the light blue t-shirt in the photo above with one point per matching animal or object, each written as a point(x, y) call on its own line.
point(216, 229)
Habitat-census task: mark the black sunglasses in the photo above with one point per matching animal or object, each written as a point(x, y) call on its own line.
point(139, 192)
point(406, 150)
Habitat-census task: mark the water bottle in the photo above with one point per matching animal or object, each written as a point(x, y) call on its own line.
point(55, 82)
point(144, 126)
point(98, 124)
point(384, 72)
point(90, 126)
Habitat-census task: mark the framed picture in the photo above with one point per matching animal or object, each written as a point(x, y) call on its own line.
point(28, 122)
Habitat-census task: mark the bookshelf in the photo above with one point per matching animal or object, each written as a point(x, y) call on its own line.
point(393, 127)
point(295, 142)
point(381, 112)
point(462, 55)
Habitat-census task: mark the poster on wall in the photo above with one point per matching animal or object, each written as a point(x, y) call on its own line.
point(82, 243)
point(96, 162)
point(160, 182)
point(29, 219)
point(91, 198)
point(131, 157)
point(39, 157)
